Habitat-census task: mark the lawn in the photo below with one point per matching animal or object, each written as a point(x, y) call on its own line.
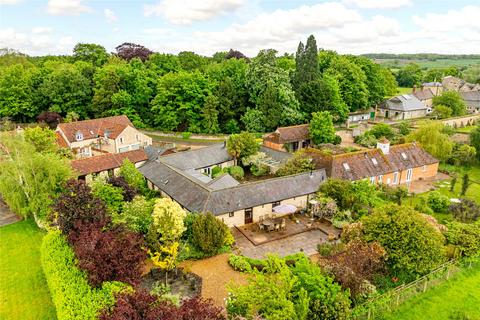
point(466, 129)
point(23, 289)
point(402, 90)
point(458, 296)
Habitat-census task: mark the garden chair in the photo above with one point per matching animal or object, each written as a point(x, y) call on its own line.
point(277, 227)
point(283, 224)
point(260, 226)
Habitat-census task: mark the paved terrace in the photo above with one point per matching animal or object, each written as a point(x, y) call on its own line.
point(6, 216)
point(297, 237)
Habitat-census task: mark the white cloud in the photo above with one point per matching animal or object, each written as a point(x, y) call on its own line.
point(187, 11)
point(110, 16)
point(378, 4)
point(42, 30)
point(35, 43)
point(10, 2)
point(467, 17)
point(66, 7)
point(280, 29)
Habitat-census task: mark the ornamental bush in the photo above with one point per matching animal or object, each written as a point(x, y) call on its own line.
point(236, 172)
point(109, 255)
point(438, 202)
point(129, 192)
point(209, 234)
point(465, 236)
point(136, 215)
point(73, 297)
point(77, 205)
point(111, 196)
point(413, 246)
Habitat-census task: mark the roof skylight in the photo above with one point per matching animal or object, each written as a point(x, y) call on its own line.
point(346, 166)
point(375, 162)
point(404, 156)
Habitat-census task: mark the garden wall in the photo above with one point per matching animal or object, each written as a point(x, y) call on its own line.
point(73, 297)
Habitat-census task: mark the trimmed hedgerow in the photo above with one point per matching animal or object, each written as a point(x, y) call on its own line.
point(72, 295)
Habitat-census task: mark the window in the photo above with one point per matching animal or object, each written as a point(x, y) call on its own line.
point(276, 203)
point(395, 177)
point(409, 175)
point(404, 156)
point(424, 168)
point(79, 136)
point(346, 166)
point(231, 214)
point(135, 146)
point(121, 140)
point(372, 179)
point(380, 179)
point(375, 162)
point(124, 149)
point(136, 136)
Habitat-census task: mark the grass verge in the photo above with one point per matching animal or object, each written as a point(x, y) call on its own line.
point(24, 292)
point(458, 298)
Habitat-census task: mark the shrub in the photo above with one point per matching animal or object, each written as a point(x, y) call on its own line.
point(76, 204)
point(136, 215)
point(300, 162)
point(110, 195)
point(209, 233)
point(133, 177)
point(109, 255)
point(236, 172)
point(382, 130)
point(413, 246)
point(367, 140)
point(186, 135)
point(327, 249)
point(216, 171)
point(438, 202)
point(72, 295)
point(465, 211)
point(142, 305)
point(128, 192)
point(239, 263)
point(465, 236)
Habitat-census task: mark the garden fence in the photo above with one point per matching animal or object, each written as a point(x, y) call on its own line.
point(392, 299)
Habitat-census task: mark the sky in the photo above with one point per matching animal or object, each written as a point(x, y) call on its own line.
point(208, 26)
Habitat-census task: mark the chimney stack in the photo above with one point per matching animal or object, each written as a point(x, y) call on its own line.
point(384, 145)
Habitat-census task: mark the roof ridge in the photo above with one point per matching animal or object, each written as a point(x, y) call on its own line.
point(184, 174)
point(297, 125)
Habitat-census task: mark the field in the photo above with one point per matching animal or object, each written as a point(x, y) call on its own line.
point(458, 298)
point(23, 289)
point(428, 64)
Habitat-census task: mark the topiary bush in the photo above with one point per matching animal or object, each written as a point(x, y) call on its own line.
point(209, 234)
point(72, 295)
point(236, 172)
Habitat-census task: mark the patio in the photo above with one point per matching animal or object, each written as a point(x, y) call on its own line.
point(303, 236)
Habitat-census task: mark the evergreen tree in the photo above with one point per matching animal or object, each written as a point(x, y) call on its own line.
point(210, 115)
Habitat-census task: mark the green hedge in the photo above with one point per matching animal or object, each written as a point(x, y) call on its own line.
point(73, 297)
point(250, 265)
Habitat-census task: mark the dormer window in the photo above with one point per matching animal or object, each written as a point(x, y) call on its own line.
point(79, 136)
point(346, 166)
point(375, 162)
point(404, 156)
point(121, 140)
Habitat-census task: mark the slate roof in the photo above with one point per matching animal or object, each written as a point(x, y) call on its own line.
point(359, 165)
point(470, 95)
point(199, 158)
point(198, 197)
point(276, 155)
point(404, 102)
point(423, 94)
point(432, 84)
point(60, 140)
point(224, 181)
point(94, 128)
point(289, 134)
point(106, 161)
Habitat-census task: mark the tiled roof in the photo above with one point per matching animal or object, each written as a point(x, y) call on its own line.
point(60, 140)
point(424, 94)
point(107, 161)
point(471, 95)
point(363, 164)
point(94, 128)
point(289, 134)
point(199, 158)
point(404, 102)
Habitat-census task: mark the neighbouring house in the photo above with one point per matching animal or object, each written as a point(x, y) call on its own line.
point(106, 165)
point(402, 107)
point(391, 165)
point(472, 100)
point(435, 87)
point(185, 177)
point(360, 116)
point(452, 83)
point(288, 139)
point(425, 95)
point(100, 136)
